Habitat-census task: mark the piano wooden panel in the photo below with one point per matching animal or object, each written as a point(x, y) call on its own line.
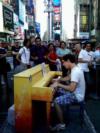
point(31, 85)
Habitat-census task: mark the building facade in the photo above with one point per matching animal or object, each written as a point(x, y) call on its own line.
point(87, 19)
point(81, 17)
point(6, 21)
point(17, 19)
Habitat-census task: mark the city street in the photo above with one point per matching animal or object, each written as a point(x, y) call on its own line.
point(49, 66)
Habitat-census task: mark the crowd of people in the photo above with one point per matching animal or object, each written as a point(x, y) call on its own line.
point(78, 66)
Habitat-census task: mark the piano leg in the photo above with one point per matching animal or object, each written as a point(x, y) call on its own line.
point(48, 111)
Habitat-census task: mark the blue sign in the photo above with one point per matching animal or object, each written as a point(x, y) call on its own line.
point(37, 27)
point(30, 7)
point(56, 2)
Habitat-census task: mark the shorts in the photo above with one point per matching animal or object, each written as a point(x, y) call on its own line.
point(66, 98)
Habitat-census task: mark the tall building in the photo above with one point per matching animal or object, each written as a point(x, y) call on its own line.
point(87, 19)
point(82, 18)
point(20, 15)
point(30, 15)
point(96, 14)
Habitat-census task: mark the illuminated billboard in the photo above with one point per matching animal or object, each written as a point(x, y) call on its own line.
point(56, 2)
point(56, 9)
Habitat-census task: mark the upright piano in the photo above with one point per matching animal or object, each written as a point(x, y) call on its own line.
point(31, 85)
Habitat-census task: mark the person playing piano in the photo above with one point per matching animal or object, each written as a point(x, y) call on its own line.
point(74, 92)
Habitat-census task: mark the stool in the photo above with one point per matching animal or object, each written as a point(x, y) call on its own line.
point(81, 106)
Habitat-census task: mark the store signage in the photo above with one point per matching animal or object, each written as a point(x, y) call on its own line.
point(16, 19)
point(30, 20)
point(8, 19)
point(30, 7)
point(37, 25)
point(56, 2)
point(57, 17)
point(56, 9)
point(84, 35)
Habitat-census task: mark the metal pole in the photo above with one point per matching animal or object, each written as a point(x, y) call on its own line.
point(90, 17)
point(52, 26)
point(61, 21)
point(48, 20)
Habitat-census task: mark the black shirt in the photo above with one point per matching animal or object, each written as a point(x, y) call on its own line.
point(2, 60)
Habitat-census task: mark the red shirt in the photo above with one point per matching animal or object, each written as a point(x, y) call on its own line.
point(53, 56)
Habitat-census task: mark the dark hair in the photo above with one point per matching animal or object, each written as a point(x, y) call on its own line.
point(31, 37)
point(38, 38)
point(70, 57)
point(62, 42)
point(26, 41)
point(51, 44)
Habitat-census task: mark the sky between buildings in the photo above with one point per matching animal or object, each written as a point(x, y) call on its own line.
point(68, 17)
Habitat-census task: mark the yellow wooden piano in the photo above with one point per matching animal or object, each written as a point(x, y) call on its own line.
point(31, 85)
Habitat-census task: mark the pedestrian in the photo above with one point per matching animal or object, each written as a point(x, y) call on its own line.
point(23, 56)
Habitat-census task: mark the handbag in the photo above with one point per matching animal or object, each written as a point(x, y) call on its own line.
point(28, 65)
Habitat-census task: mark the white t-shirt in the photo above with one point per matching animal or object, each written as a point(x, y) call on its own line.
point(25, 55)
point(85, 55)
point(78, 77)
point(97, 54)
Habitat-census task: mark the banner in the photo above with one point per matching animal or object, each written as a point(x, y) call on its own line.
point(8, 19)
point(56, 2)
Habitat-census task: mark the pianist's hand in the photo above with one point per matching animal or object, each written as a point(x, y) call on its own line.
point(54, 85)
point(56, 79)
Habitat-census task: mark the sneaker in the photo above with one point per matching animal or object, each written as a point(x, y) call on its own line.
point(58, 127)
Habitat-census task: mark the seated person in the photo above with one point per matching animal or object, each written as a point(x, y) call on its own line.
point(74, 92)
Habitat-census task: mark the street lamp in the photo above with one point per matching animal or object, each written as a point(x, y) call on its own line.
point(49, 10)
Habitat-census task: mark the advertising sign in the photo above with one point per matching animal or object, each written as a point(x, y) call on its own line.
point(37, 27)
point(56, 2)
point(15, 5)
point(16, 20)
point(21, 12)
point(1, 17)
point(56, 9)
point(84, 35)
point(30, 7)
point(57, 18)
point(8, 19)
